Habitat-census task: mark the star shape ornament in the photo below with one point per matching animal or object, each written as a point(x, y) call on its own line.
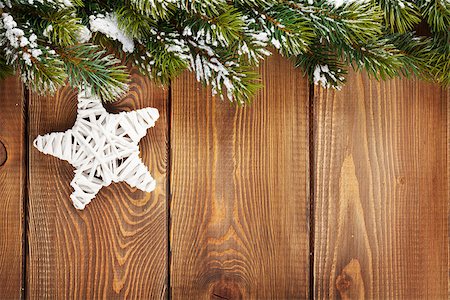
point(102, 147)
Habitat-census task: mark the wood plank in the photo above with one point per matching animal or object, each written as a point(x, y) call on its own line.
point(117, 246)
point(381, 191)
point(239, 184)
point(12, 182)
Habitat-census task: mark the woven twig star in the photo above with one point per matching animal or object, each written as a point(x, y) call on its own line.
point(102, 147)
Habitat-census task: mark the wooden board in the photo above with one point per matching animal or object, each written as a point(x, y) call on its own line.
point(117, 246)
point(12, 182)
point(381, 191)
point(239, 184)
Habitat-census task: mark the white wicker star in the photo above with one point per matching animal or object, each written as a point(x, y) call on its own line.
point(102, 147)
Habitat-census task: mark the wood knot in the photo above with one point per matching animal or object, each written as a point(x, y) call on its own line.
point(225, 290)
point(343, 282)
point(401, 180)
point(350, 282)
point(3, 154)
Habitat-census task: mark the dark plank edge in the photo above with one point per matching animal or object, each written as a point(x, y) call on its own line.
point(311, 182)
point(448, 179)
point(168, 188)
point(12, 192)
point(25, 245)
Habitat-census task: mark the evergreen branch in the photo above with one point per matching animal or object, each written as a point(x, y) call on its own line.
point(210, 8)
point(437, 14)
point(400, 16)
point(218, 67)
point(86, 65)
point(223, 29)
point(156, 9)
point(45, 75)
point(349, 23)
point(322, 66)
point(417, 53)
point(440, 59)
point(156, 60)
point(379, 58)
point(45, 5)
point(135, 24)
point(255, 4)
point(41, 70)
point(61, 27)
point(287, 30)
point(221, 41)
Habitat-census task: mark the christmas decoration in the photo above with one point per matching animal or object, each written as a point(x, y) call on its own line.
point(88, 42)
point(102, 147)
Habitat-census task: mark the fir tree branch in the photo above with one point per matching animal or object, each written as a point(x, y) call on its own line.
point(45, 75)
point(86, 65)
point(437, 14)
point(155, 60)
point(400, 15)
point(61, 27)
point(221, 41)
point(417, 53)
point(134, 23)
point(155, 8)
point(288, 31)
point(322, 66)
point(379, 58)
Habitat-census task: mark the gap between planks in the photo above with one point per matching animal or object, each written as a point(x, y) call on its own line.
point(311, 212)
point(26, 99)
point(168, 188)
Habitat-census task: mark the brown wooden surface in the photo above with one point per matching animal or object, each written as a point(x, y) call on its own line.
point(117, 246)
point(381, 191)
point(239, 184)
point(12, 186)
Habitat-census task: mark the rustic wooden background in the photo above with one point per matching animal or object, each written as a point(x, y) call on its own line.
point(308, 193)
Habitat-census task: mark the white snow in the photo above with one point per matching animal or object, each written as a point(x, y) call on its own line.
point(84, 35)
point(339, 3)
point(36, 53)
point(47, 30)
point(27, 58)
point(12, 34)
point(108, 25)
point(319, 75)
point(33, 38)
point(15, 42)
point(276, 43)
point(23, 41)
point(57, 3)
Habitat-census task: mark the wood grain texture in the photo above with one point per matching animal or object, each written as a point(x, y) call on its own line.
point(239, 184)
point(117, 246)
point(381, 190)
point(12, 182)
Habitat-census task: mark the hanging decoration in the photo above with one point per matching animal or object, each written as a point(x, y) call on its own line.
point(102, 147)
